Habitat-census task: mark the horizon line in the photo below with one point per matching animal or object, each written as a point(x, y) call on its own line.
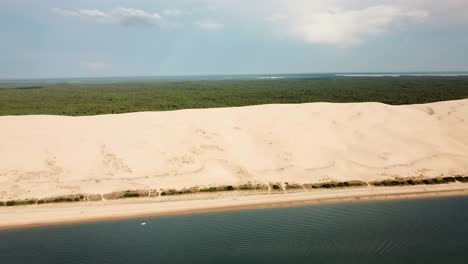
point(238, 74)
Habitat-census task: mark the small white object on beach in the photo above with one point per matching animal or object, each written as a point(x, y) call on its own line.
point(143, 224)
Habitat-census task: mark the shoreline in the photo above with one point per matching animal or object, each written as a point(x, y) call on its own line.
point(60, 214)
point(57, 170)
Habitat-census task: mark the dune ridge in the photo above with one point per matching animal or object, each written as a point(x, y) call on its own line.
point(71, 169)
point(47, 156)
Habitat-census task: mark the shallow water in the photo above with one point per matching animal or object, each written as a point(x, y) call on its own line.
point(411, 231)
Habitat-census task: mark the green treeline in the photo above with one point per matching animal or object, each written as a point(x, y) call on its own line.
point(93, 99)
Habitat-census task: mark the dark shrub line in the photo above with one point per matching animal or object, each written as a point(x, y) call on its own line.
point(126, 194)
point(252, 187)
point(63, 199)
point(333, 184)
point(420, 181)
point(270, 187)
point(20, 202)
point(170, 192)
point(461, 178)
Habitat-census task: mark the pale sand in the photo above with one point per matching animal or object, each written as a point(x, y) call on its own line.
point(43, 156)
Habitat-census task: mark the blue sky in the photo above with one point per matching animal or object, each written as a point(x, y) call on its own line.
point(44, 39)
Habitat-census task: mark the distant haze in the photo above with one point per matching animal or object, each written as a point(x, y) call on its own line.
point(220, 77)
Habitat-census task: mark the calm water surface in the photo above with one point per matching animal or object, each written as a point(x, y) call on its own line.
point(416, 231)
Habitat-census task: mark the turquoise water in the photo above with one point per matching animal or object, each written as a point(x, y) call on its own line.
point(413, 231)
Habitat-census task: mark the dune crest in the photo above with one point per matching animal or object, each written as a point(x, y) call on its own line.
point(44, 156)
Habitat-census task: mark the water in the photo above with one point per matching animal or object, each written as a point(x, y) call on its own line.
point(414, 231)
point(107, 80)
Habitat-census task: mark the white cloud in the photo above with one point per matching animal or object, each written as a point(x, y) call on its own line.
point(91, 13)
point(210, 25)
point(332, 22)
point(131, 16)
point(341, 23)
point(348, 27)
point(120, 15)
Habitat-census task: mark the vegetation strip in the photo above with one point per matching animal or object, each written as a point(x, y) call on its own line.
point(256, 187)
point(94, 99)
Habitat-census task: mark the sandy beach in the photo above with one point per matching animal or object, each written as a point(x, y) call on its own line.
point(46, 156)
point(53, 214)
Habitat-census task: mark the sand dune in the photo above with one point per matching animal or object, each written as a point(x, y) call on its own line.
point(54, 155)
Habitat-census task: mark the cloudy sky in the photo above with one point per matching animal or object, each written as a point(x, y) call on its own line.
point(51, 38)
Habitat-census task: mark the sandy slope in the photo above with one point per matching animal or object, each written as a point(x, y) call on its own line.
point(307, 143)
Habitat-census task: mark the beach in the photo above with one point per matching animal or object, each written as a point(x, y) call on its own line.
point(312, 143)
point(54, 214)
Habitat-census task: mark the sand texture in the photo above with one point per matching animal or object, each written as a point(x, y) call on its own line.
point(44, 156)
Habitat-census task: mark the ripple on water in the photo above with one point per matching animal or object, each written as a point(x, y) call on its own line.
point(413, 231)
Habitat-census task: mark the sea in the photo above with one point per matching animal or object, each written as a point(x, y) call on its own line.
point(406, 231)
point(277, 76)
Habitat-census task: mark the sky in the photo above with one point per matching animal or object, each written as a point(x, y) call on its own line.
point(91, 38)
